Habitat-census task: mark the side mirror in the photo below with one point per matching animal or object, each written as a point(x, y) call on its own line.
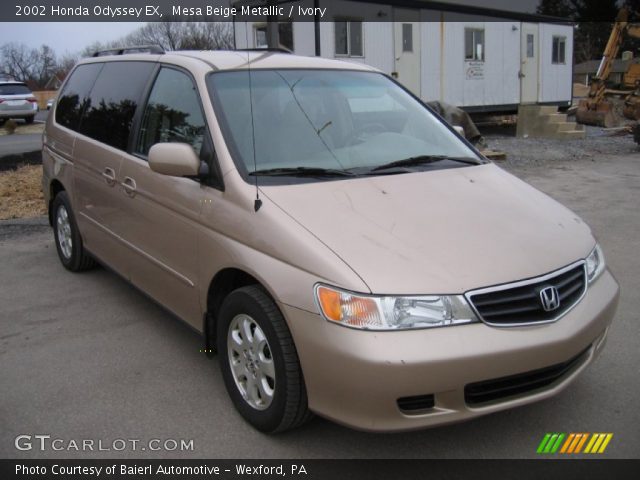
point(174, 159)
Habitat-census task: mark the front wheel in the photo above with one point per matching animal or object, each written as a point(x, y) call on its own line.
point(67, 236)
point(259, 362)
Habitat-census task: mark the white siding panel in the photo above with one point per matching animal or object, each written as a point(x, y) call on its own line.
point(555, 80)
point(240, 30)
point(499, 83)
point(378, 45)
point(304, 38)
point(431, 53)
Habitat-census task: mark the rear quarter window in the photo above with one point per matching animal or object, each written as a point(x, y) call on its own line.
point(73, 97)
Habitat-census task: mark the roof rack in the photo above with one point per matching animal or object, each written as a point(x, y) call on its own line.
point(269, 49)
point(133, 49)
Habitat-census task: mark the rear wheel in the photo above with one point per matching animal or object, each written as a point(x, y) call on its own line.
point(259, 362)
point(67, 236)
point(29, 120)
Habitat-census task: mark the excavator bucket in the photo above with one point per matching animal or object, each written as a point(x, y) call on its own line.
point(599, 114)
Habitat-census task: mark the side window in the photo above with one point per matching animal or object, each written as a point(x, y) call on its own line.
point(73, 97)
point(172, 114)
point(113, 101)
point(558, 51)
point(474, 44)
point(285, 35)
point(348, 38)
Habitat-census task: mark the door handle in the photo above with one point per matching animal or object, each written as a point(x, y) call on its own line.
point(109, 175)
point(129, 186)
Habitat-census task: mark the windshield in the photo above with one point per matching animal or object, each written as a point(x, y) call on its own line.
point(307, 120)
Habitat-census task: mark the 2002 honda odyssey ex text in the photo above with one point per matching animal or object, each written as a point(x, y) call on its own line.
point(345, 251)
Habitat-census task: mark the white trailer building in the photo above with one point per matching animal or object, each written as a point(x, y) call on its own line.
point(476, 58)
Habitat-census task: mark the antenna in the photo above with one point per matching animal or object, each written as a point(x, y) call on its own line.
point(257, 203)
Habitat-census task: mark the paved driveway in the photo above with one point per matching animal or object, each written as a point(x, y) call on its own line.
point(88, 357)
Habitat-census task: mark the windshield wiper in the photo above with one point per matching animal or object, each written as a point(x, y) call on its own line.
point(423, 160)
point(302, 172)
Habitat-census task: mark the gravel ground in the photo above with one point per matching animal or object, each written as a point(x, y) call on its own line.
point(538, 151)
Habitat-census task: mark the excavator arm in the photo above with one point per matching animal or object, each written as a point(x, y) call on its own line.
point(596, 109)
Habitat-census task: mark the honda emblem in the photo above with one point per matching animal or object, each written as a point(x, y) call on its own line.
point(550, 299)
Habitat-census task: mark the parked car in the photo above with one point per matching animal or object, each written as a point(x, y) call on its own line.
point(344, 250)
point(17, 101)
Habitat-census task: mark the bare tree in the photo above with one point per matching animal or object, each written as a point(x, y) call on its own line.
point(18, 61)
point(45, 65)
point(207, 36)
point(183, 35)
point(32, 65)
point(66, 63)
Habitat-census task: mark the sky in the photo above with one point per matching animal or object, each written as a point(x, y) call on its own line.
point(64, 36)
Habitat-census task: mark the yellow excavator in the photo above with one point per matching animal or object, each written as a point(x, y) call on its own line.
point(596, 109)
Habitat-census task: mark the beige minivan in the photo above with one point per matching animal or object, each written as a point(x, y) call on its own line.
point(343, 249)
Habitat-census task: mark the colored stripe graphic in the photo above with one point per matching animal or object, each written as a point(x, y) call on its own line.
point(550, 443)
point(573, 443)
point(598, 442)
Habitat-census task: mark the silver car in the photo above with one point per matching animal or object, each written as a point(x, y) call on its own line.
point(17, 101)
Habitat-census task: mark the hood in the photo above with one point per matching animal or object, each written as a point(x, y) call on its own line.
point(438, 232)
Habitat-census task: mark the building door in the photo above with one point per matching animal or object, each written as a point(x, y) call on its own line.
point(406, 30)
point(529, 63)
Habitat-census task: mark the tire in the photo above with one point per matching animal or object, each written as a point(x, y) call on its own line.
point(269, 359)
point(29, 120)
point(68, 241)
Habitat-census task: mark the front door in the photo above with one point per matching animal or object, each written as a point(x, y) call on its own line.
point(406, 28)
point(529, 55)
point(162, 212)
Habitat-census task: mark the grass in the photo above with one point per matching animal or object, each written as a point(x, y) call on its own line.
point(24, 129)
point(21, 193)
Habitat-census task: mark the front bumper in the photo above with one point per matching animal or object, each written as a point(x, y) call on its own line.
point(356, 377)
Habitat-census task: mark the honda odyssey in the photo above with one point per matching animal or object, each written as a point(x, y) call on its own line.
point(340, 246)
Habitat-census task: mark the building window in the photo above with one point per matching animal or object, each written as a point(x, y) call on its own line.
point(474, 44)
point(285, 35)
point(559, 48)
point(530, 45)
point(349, 38)
point(407, 37)
point(261, 37)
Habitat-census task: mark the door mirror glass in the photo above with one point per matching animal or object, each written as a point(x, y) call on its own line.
point(174, 159)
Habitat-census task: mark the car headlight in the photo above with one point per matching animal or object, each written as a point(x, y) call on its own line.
point(392, 313)
point(595, 263)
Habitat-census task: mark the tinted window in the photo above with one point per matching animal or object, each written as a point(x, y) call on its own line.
point(113, 101)
point(173, 113)
point(14, 89)
point(74, 96)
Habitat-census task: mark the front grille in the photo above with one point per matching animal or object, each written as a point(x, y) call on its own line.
point(505, 387)
point(413, 405)
point(521, 304)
